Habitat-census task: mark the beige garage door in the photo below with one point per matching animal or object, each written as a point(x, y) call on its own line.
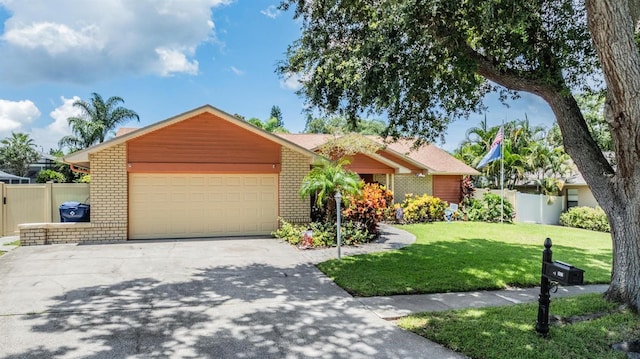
point(201, 205)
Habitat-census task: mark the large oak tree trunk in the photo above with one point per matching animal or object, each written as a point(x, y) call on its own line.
point(612, 25)
point(625, 231)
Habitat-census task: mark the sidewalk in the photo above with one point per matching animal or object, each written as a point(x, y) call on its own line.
point(393, 307)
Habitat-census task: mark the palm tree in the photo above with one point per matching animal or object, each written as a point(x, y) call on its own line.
point(98, 120)
point(17, 153)
point(324, 181)
point(482, 135)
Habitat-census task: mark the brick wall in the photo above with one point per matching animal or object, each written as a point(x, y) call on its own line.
point(293, 169)
point(411, 183)
point(108, 198)
point(109, 202)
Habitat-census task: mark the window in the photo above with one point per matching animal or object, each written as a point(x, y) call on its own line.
point(572, 197)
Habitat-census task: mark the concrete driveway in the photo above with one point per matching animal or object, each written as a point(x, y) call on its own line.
point(232, 298)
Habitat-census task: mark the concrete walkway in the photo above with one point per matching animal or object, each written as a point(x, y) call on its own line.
point(390, 238)
point(393, 307)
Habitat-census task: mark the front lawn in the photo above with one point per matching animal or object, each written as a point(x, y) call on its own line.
point(591, 326)
point(466, 256)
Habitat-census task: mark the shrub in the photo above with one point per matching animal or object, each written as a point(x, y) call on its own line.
point(368, 207)
point(45, 176)
point(351, 233)
point(423, 208)
point(323, 234)
point(586, 217)
point(487, 209)
point(289, 232)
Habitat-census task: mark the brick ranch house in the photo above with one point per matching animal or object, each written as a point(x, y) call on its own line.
point(400, 167)
point(206, 173)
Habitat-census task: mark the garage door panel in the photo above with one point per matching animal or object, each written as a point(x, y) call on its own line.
point(201, 205)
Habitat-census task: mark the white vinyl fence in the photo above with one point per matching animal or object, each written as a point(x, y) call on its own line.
point(36, 203)
point(538, 208)
point(530, 208)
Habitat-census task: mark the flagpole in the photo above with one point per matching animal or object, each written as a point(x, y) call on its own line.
point(502, 174)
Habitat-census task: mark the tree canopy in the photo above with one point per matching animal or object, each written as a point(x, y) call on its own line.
point(17, 152)
point(341, 125)
point(530, 156)
point(423, 63)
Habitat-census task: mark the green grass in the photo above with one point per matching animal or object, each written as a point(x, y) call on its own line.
point(14, 243)
point(509, 332)
point(466, 256)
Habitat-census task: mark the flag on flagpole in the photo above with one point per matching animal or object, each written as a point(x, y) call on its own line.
point(495, 151)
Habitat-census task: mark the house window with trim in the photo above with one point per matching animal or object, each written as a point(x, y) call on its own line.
point(572, 197)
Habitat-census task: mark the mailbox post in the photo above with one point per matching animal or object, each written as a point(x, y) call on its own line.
point(542, 326)
point(560, 272)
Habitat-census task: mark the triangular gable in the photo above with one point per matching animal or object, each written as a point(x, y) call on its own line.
point(81, 157)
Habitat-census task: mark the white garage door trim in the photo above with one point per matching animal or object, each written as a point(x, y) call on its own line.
point(163, 205)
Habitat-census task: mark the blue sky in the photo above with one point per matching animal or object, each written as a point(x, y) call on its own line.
point(163, 58)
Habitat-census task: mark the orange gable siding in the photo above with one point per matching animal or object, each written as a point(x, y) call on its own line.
point(201, 143)
point(365, 164)
point(447, 188)
point(400, 160)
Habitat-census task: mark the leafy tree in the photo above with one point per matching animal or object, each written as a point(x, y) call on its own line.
point(526, 151)
point(270, 125)
point(324, 181)
point(45, 176)
point(348, 145)
point(63, 168)
point(277, 114)
point(592, 107)
point(256, 122)
point(97, 121)
point(17, 152)
point(423, 63)
point(340, 125)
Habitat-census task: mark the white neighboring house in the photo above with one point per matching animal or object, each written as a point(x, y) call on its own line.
point(577, 191)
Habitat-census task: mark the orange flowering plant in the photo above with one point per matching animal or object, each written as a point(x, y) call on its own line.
point(369, 206)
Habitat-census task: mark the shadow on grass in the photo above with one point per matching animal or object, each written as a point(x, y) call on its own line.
point(461, 265)
point(252, 311)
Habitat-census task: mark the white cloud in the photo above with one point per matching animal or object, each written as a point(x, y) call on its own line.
point(60, 114)
point(15, 115)
point(292, 81)
point(47, 137)
point(80, 41)
point(237, 71)
point(53, 38)
point(271, 12)
point(175, 61)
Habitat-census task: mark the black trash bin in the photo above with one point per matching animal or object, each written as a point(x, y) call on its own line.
point(74, 212)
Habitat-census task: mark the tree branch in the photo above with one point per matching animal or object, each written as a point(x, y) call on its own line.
point(577, 139)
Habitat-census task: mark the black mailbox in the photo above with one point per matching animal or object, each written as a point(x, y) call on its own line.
point(563, 273)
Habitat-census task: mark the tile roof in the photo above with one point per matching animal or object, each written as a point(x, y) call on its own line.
point(436, 160)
